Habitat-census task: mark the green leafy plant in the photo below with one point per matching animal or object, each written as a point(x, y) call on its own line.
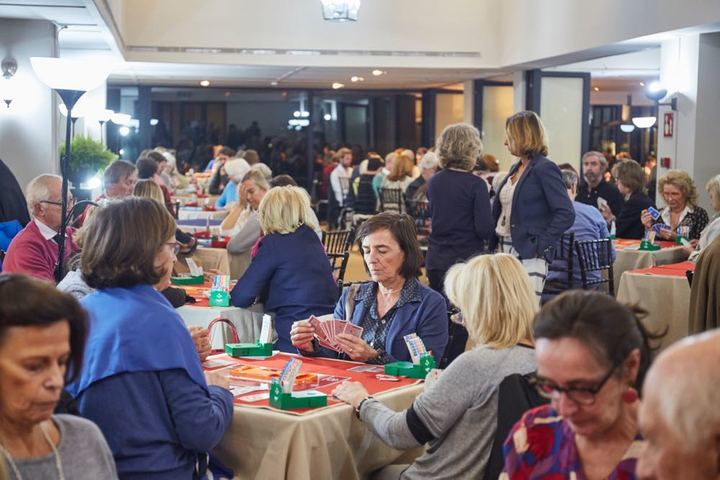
point(88, 157)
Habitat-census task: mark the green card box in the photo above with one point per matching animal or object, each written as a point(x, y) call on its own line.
point(256, 349)
point(409, 369)
point(219, 298)
point(188, 280)
point(679, 240)
point(647, 246)
point(290, 401)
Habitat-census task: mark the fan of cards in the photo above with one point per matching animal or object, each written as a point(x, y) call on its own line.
point(327, 330)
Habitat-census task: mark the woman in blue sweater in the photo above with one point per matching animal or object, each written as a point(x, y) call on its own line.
point(141, 380)
point(533, 208)
point(290, 274)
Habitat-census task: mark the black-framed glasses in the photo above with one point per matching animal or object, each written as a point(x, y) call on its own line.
point(581, 395)
point(70, 202)
point(174, 247)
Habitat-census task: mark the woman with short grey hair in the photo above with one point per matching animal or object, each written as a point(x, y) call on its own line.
point(459, 207)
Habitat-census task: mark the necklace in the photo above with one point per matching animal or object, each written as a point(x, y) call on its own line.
point(58, 464)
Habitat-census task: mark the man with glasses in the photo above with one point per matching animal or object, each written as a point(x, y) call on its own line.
point(34, 251)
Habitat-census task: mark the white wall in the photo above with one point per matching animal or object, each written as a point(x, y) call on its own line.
point(551, 28)
point(28, 144)
point(497, 107)
point(561, 111)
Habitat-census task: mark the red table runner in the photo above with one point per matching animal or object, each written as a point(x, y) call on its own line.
point(332, 372)
point(672, 270)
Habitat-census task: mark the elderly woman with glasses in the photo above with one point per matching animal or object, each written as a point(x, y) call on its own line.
point(592, 354)
point(142, 382)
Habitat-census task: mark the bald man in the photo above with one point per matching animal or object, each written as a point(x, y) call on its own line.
point(680, 413)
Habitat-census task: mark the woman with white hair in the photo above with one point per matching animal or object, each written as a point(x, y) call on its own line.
point(236, 170)
point(290, 273)
point(712, 230)
point(459, 213)
point(456, 415)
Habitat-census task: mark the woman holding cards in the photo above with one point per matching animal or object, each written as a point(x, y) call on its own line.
point(389, 307)
point(456, 415)
point(141, 381)
point(290, 274)
point(680, 195)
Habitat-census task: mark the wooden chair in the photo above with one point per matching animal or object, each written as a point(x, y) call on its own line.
point(596, 256)
point(391, 200)
point(337, 246)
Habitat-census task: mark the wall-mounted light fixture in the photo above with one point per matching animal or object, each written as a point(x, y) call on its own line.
point(9, 68)
point(340, 10)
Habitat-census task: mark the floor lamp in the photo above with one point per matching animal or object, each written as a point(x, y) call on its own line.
point(70, 79)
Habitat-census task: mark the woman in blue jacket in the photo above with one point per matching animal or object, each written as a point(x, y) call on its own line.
point(392, 305)
point(533, 208)
point(290, 274)
point(141, 380)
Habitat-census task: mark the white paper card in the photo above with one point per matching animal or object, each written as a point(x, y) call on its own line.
point(266, 330)
point(195, 270)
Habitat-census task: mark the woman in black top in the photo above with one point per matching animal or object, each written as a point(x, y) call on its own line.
point(630, 179)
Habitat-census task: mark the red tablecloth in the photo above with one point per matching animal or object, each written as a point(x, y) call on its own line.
point(621, 243)
point(333, 372)
point(673, 269)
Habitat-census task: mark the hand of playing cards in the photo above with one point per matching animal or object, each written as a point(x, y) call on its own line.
point(326, 331)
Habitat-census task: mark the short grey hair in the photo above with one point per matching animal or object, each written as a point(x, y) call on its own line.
point(599, 155)
point(569, 178)
point(38, 190)
point(459, 146)
point(262, 168)
point(429, 160)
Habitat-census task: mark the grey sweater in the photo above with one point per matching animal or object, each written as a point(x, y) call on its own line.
point(84, 453)
point(459, 410)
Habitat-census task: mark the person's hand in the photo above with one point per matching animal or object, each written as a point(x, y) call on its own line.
point(201, 339)
point(666, 234)
point(646, 219)
point(217, 379)
point(301, 335)
point(351, 392)
point(688, 250)
point(607, 214)
point(355, 347)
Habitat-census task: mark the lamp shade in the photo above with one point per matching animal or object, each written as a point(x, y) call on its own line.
point(627, 127)
point(644, 122)
point(70, 74)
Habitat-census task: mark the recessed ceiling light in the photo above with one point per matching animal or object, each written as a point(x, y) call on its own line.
point(356, 79)
point(377, 73)
point(642, 84)
point(597, 89)
point(205, 83)
point(337, 85)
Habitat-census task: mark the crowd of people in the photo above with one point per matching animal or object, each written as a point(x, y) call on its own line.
point(100, 377)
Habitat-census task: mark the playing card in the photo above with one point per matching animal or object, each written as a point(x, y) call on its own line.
point(354, 329)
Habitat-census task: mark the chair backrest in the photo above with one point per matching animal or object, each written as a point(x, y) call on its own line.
point(391, 200)
point(338, 241)
point(421, 213)
point(595, 256)
point(566, 251)
point(515, 397)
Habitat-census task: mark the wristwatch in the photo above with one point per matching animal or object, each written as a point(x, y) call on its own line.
point(357, 410)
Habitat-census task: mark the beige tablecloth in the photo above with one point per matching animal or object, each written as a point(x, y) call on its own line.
point(665, 297)
point(248, 322)
point(631, 259)
point(209, 259)
point(325, 445)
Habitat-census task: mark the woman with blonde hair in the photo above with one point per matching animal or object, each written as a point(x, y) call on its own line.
point(680, 195)
point(533, 208)
point(290, 274)
point(456, 415)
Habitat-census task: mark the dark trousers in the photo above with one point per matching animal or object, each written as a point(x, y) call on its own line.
point(457, 334)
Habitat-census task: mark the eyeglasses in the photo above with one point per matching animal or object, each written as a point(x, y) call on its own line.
point(174, 247)
point(70, 202)
point(581, 395)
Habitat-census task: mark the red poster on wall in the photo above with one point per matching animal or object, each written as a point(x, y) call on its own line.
point(668, 124)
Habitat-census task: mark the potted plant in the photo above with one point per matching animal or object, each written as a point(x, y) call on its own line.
point(88, 157)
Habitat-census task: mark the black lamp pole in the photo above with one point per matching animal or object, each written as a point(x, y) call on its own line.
point(69, 98)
